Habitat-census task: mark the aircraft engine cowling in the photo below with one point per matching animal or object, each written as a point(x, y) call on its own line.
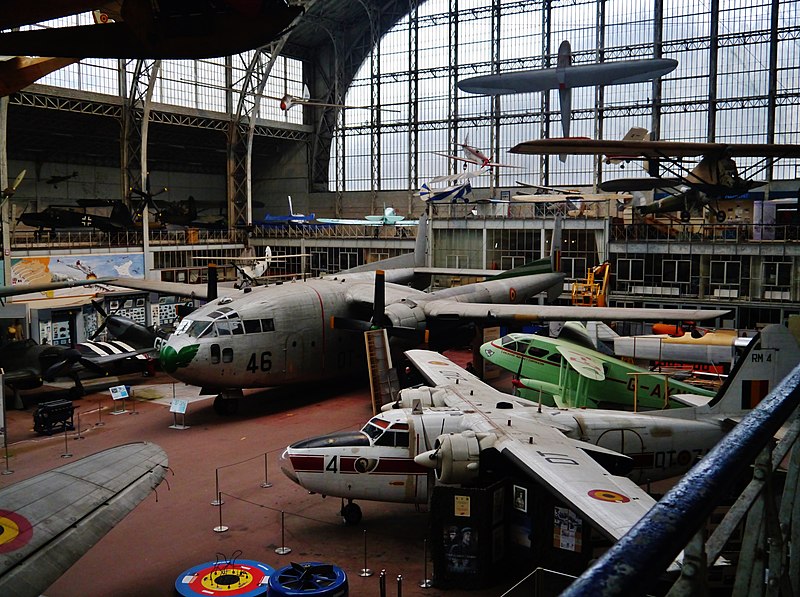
point(425, 397)
point(456, 458)
point(406, 314)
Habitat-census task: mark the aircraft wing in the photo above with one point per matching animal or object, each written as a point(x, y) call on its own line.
point(562, 465)
point(586, 365)
point(17, 289)
point(654, 149)
point(192, 291)
point(640, 184)
point(451, 309)
point(50, 520)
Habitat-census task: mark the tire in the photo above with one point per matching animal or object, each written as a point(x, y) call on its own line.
point(351, 514)
point(308, 579)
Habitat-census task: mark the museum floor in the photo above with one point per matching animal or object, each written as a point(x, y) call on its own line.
point(173, 529)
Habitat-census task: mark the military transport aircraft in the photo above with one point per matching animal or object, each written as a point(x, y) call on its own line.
point(300, 331)
point(565, 76)
point(464, 429)
point(146, 29)
point(49, 521)
point(714, 177)
point(568, 372)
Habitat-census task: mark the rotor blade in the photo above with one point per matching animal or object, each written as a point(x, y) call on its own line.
point(354, 325)
point(379, 302)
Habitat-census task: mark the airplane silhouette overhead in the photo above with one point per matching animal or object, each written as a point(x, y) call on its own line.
point(145, 29)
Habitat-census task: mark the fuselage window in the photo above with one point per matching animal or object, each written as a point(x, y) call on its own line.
point(252, 326)
point(555, 358)
point(393, 439)
point(227, 355)
point(198, 329)
point(223, 328)
point(267, 325)
point(236, 327)
point(537, 352)
point(214, 354)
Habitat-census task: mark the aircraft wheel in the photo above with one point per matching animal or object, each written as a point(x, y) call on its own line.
point(720, 215)
point(308, 578)
point(75, 393)
point(225, 407)
point(351, 514)
point(685, 216)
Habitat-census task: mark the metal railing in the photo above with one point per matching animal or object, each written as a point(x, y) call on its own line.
point(767, 565)
point(727, 233)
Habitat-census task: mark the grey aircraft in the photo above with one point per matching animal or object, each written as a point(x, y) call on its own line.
point(302, 331)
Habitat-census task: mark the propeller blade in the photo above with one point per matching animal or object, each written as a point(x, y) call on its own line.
point(353, 325)
point(379, 301)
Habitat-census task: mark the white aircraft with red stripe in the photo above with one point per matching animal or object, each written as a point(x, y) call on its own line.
point(459, 422)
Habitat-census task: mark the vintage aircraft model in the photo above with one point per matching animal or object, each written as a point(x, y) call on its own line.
point(253, 270)
point(56, 180)
point(54, 218)
point(452, 187)
point(388, 218)
point(145, 29)
point(292, 219)
point(288, 101)
point(715, 176)
point(566, 76)
point(475, 156)
point(568, 372)
point(300, 332)
point(52, 519)
point(18, 72)
point(460, 424)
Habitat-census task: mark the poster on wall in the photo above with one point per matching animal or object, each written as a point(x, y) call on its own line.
point(567, 530)
point(57, 268)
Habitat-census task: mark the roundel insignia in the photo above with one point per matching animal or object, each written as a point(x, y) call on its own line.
point(604, 495)
point(15, 531)
point(512, 294)
point(240, 578)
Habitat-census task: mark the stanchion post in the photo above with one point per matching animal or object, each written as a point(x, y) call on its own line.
point(218, 501)
point(399, 585)
point(100, 413)
point(283, 550)
point(221, 528)
point(425, 583)
point(79, 436)
point(365, 572)
point(67, 453)
point(266, 482)
point(382, 583)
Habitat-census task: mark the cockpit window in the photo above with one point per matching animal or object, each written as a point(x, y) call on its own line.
point(535, 351)
point(510, 343)
point(375, 427)
point(183, 326)
point(198, 329)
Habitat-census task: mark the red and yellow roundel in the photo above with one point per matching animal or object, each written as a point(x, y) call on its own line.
point(512, 295)
point(15, 531)
point(604, 495)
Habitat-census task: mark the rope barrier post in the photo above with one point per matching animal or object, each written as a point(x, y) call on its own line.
point(7, 471)
point(283, 550)
point(221, 528)
point(266, 482)
point(399, 585)
point(218, 501)
point(365, 572)
point(382, 583)
point(425, 583)
point(67, 453)
point(100, 413)
point(79, 436)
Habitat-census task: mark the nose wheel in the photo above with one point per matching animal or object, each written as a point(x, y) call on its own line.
point(351, 513)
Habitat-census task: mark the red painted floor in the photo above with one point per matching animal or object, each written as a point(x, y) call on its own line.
point(173, 530)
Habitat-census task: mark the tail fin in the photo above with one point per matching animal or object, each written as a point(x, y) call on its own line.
point(291, 209)
point(767, 359)
point(425, 192)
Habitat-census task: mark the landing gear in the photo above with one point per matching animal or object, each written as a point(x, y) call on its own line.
point(226, 406)
point(351, 513)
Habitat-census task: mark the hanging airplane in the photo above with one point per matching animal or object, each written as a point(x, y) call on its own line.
point(254, 270)
point(50, 520)
point(565, 76)
point(143, 29)
point(714, 177)
point(300, 332)
point(568, 372)
point(55, 180)
point(288, 101)
point(475, 156)
point(292, 219)
point(452, 187)
point(18, 72)
point(388, 218)
point(460, 426)
point(56, 217)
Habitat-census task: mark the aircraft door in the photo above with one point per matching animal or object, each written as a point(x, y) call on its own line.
point(628, 442)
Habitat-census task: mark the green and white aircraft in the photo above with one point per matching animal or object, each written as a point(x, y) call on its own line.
point(567, 372)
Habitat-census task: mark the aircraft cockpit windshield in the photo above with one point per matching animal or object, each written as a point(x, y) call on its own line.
point(387, 433)
point(223, 322)
point(511, 343)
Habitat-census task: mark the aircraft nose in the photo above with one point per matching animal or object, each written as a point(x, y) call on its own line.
point(287, 468)
point(176, 354)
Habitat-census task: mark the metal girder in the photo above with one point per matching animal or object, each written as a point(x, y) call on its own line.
point(413, 105)
point(136, 112)
point(33, 99)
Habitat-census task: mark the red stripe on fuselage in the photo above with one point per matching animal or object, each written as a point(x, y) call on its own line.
point(307, 463)
point(323, 323)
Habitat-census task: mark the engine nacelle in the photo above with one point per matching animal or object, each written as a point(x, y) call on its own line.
point(406, 314)
point(457, 457)
point(425, 397)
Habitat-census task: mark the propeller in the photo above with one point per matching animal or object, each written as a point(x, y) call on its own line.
point(10, 190)
point(147, 196)
point(123, 328)
point(515, 381)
